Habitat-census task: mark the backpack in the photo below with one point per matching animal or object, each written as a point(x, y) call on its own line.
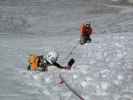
point(35, 61)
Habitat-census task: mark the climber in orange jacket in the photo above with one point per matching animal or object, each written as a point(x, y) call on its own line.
point(85, 33)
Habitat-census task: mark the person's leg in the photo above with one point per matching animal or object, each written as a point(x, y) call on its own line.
point(29, 67)
point(89, 39)
point(83, 40)
point(43, 67)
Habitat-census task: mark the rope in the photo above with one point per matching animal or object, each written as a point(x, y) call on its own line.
point(70, 53)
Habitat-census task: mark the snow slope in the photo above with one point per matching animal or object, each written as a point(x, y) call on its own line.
point(103, 68)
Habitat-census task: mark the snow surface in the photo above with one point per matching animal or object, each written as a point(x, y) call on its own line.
point(103, 68)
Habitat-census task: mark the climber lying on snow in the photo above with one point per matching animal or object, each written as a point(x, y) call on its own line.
point(39, 63)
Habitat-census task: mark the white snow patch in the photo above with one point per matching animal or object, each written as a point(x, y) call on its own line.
point(46, 92)
point(122, 37)
point(38, 77)
point(116, 82)
point(105, 54)
point(88, 79)
point(104, 73)
point(120, 77)
point(84, 71)
point(118, 45)
point(83, 84)
point(111, 64)
point(99, 56)
point(119, 54)
point(86, 44)
point(100, 91)
point(75, 76)
point(86, 97)
point(92, 62)
point(67, 94)
point(47, 80)
point(104, 85)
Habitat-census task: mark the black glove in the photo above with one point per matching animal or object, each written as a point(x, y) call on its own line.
point(71, 62)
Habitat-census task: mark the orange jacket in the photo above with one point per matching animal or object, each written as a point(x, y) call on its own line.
point(85, 31)
point(34, 61)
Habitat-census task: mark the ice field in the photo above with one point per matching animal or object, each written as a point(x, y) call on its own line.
point(103, 69)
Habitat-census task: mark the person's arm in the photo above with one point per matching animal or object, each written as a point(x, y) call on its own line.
point(69, 64)
point(59, 66)
point(82, 30)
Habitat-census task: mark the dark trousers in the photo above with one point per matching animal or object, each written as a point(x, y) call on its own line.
point(84, 39)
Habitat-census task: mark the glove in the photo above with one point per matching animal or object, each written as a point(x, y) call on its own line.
point(69, 64)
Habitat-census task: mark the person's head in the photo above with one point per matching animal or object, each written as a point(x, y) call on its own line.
point(52, 57)
point(88, 25)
